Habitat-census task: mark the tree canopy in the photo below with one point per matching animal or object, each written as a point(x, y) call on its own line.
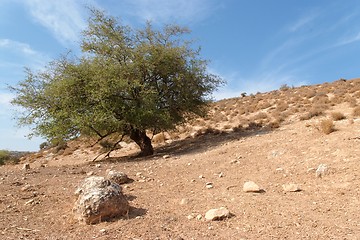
point(127, 81)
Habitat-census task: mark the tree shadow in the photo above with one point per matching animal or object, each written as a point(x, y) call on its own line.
point(194, 145)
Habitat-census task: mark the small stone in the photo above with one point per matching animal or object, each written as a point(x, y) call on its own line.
point(209, 185)
point(291, 187)
point(29, 202)
point(250, 186)
point(98, 165)
point(26, 188)
point(321, 170)
point(217, 214)
point(310, 170)
point(221, 175)
point(201, 176)
point(190, 217)
point(102, 230)
point(199, 217)
point(90, 173)
point(279, 169)
point(166, 156)
point(184, 201)
point(117, 177)
point(26, 166)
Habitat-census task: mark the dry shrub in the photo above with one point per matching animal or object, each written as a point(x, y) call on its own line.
point(314, 112)
point(327, 126)
point(274, 124)
point(356, 111)
point(281, 106)
point(351, 100)
point(260, 115)
point(336, 116)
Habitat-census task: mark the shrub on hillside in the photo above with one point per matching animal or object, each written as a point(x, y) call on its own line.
point(327, 126)
point(4, 156)
point(336, 116)
point(7, 157)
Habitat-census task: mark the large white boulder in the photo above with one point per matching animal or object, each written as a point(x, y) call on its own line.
point(99, 199)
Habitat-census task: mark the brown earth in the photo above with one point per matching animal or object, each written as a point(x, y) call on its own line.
point(168, 194)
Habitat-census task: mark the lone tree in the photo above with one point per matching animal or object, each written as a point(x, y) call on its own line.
point(127, 81)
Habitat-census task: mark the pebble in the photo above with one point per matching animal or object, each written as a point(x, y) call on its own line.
point(217, 214)
point(184, 201)
point(291, 187)
point(321, 170)
point(209, 185)
point(166, 156)
point(250, 186)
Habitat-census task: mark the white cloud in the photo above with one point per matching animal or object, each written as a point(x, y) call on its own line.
point(17, 46)
point(164, 11)
point(62, 18)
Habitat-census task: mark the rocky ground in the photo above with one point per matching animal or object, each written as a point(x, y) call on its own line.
point(171, 191)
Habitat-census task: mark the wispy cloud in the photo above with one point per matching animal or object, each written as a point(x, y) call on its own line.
point(164, 11)
point(62, 18)
point(17, 54)
point(17, 46)
point(302, 22)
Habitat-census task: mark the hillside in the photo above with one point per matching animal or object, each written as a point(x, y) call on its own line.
point(274, 139)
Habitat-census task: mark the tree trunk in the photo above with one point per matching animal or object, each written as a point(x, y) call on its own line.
point(143, 141)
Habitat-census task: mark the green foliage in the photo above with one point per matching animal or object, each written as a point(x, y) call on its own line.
point(127, 81)
point(8, 157)
point(4, 156)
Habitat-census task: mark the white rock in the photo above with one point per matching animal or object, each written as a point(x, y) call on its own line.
point(217, 214)
point(321, 170)
point(166, 156)
point(250, 186)
point(209, 185)
point(99, 199)
point(117, 177)
point(291, 187)
point(184, 201)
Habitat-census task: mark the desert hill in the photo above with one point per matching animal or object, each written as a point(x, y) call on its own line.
point(273, 139)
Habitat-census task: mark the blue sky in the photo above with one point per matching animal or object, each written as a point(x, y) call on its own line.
point(255, 45)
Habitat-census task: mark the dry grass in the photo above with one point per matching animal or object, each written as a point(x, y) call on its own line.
point(327, 126)
point(336, 116)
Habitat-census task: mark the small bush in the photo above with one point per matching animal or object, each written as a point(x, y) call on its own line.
point(8, 157)
point(336, 116)
point(327, 126)
point(4, 156)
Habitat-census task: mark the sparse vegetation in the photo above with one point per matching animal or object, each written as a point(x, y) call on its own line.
point(336, 116)
point(327, 126)
point(9, 157)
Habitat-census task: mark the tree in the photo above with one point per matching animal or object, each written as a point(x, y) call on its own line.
point(127, 81)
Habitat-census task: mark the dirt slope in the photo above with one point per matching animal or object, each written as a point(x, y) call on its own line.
point(169, 197)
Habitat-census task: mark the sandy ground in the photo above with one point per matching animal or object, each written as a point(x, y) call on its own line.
point(169, 197)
